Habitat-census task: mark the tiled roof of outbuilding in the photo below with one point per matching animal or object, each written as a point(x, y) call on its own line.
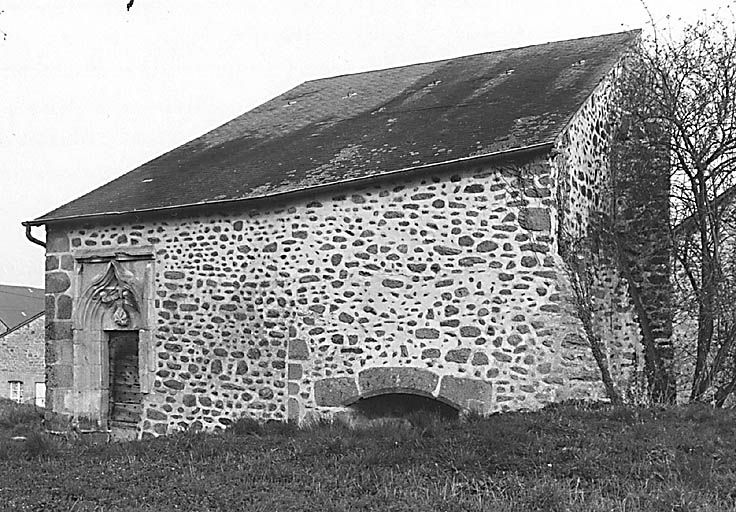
point(366, 124)
point(19, 304)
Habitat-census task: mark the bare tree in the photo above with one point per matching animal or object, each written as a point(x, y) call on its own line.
point(579, 261)
point(686, 85)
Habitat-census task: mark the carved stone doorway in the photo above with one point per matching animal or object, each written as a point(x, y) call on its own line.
point(125, 390)
point(113, 348)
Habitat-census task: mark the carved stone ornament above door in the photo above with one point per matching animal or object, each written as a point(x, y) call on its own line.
point(113, 295)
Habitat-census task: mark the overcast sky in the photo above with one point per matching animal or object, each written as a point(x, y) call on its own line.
point(89, 91)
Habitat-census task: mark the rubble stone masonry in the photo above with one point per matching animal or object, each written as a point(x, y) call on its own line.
point(447, 284)
point(22, 358)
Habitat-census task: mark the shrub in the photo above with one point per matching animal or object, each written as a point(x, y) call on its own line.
point(13, 415)
point(40, 445)
point(246, 426)
point(280, 428)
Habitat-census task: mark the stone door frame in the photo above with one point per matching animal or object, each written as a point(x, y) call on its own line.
point(97, 313)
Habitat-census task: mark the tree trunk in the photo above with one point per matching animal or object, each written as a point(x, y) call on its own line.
point(706, 301)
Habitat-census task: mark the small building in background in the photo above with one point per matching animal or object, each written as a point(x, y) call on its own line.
point(22, 366)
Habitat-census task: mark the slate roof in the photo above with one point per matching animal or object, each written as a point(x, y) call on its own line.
point(361, 125)
point(19, 304)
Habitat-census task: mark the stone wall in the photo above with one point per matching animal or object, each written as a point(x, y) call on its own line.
point(447, 283)
point(592, 181)
point(614, 199)
point(455, 274)
point(22, 358)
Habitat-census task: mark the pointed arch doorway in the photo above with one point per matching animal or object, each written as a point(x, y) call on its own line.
point(113, 347)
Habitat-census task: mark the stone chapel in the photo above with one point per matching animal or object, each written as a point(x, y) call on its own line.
point(400, 231)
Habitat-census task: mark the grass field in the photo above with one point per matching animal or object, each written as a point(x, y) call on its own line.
point(562, 458)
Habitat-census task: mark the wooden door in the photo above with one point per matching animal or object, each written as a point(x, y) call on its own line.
point(125, 390)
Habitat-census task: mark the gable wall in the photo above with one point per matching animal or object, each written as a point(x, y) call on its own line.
point(588, 225)
point(614, 200)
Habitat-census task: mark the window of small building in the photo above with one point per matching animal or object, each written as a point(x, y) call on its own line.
point(16, 390)
point(41, 394)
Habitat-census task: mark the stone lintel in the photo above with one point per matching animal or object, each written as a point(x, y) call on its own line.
point(142, 252)
point(380, 380)
point(468, 394)
point(334, 392)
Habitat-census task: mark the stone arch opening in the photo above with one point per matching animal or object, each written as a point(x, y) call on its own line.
point(402, 403)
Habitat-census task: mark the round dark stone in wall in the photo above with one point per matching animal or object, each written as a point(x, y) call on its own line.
point(427, 333)
point(64, 307)
point(500, 356)
point(446, 251)
point(317, 308)
point(174, 384)
point(52, 263)
point(469, 331)
point(466, 241)
point(486, 246)
point(480, 359)
point(67, 262)
point(528, 261)
point(514, 339)
point(216, 366)
point(189, 400)
point(57, 282)
point(470, 261)
point(392, 283)
point(60, 330)
point(265, 393)
point(430, 353)
point(535, 219)
point(254, 353)
point(155, 415)
point(458, 356)
point(242, 368)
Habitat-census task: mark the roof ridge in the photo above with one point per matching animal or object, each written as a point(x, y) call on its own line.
point(477, 54)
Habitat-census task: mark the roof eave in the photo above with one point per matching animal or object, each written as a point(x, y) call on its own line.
point(539, 147)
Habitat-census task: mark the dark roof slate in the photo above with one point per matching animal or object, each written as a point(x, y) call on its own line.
point(356, 126)
point(19, 304)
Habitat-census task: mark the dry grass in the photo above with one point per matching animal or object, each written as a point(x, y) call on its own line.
point(563, 458)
